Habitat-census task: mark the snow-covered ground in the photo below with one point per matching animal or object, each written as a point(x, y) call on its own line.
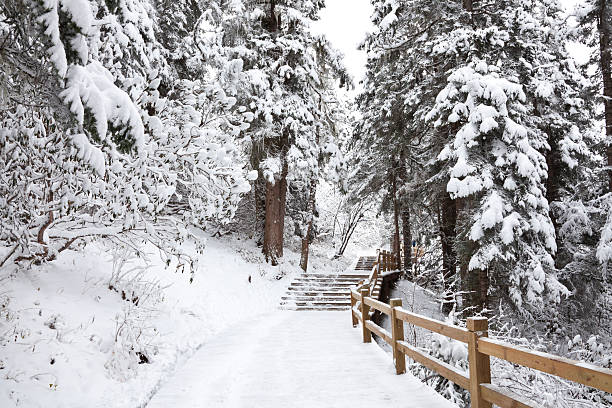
point(424, 302)
point(294, 359)
point(68, 340)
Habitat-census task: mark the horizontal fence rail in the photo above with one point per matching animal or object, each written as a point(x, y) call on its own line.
point(480, 348)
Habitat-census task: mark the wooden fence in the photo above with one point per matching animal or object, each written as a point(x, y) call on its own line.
point(480, 348)
point(385, 262)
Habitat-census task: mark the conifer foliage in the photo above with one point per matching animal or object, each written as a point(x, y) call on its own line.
point(292, 76)
point(485, 118)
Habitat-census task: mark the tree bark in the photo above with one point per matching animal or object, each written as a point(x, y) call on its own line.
point(276, 205)
point(306, 238)
point(605, 44)
point(448, 222)
point(407, 235)
point(259, 194)
point(272, 21)
point(275, 224)
point(405, 213)
point(396, 216)
point(483, 289)
point(553, 188)
point(475, 283)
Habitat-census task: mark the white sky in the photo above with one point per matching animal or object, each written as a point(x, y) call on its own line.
point(345, 23)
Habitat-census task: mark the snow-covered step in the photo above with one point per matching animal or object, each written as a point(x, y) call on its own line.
point(317, 291)
point(316, 308)
point(315, 298)
point(342, 275)
point(290, 303)
point(294, 295)
point(330, 279)
point(343, 285)
point(322, 282)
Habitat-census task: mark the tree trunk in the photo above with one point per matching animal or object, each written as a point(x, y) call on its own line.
point(272, 21)
point(407, 235)
point(259, 194)
point(396, 216)
point(276, 204)
point(405, 213)
point(605, 44)
point(306, 238)
point(483, 287)
point(475, 283)
point(275, 221)
point(448, 221)
point(553, 188)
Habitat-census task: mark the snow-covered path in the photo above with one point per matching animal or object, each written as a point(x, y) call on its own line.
point(293, 359)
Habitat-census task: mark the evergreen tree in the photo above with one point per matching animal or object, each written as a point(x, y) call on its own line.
point(515, 101)
point(291, 78)
point(404, 77)
point(484, 115)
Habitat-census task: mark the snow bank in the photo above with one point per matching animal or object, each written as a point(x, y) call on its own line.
point(68, 340)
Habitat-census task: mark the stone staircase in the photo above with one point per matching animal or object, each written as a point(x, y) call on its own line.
point(318, 291)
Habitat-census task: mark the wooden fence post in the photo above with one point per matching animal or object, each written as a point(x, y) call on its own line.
point(365, 316)
point(353, 318)
point(480, 364)
point(397, 333)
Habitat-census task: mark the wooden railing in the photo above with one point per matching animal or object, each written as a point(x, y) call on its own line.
point(480, 348)
point(387, 261)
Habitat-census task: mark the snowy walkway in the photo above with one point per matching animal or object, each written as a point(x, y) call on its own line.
point(293, 359)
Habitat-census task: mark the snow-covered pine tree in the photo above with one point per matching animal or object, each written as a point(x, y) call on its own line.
point(595, 28)
point(586, 219)
point(514, 101)
point(404, 77)
point(291, 77)
point(202, 123)
point(381, 133)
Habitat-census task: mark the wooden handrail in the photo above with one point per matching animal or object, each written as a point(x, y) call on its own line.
point(378, 305)
point(583, 373)
point(373, 277)
point(446, 370)
point(448, 330)
point(480, 349)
